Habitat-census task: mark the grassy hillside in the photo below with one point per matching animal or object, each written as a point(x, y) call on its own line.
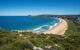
point(72, 30)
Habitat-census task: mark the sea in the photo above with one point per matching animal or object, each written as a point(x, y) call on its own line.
point(26, 23)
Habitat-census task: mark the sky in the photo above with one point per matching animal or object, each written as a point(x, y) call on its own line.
point(37, 7)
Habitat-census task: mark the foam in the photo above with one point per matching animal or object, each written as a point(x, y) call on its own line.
point(55, 24)
point(40, 27)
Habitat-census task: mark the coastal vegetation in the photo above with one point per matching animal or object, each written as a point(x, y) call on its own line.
point(13, 40)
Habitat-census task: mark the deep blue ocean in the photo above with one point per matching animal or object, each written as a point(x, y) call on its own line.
point(25, 22)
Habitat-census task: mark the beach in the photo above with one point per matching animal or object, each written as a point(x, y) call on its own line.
point(58, 29)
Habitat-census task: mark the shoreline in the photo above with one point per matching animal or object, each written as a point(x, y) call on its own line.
point(55, 25)
point(50, 26)
point(58, 29)
point(35, 30)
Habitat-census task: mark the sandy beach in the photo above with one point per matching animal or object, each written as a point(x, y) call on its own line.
point(59, 29)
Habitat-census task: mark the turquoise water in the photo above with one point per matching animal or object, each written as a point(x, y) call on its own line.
point(26, 23)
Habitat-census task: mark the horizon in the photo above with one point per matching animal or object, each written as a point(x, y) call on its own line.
point(38, 7)
point(39, 14)
point(42, 14)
